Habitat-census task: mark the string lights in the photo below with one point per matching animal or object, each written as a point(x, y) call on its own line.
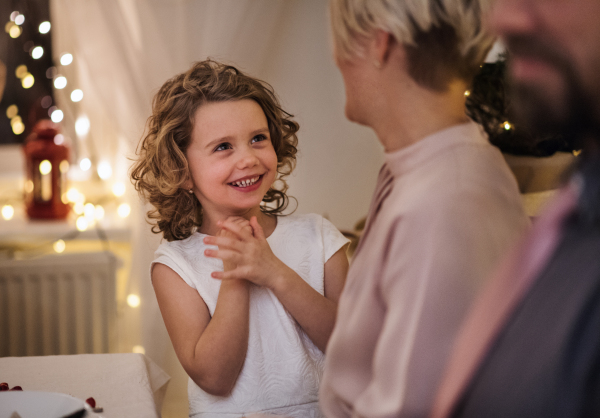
point(37, 69)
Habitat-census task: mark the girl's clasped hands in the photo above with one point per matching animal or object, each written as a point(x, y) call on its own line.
point(246, 254)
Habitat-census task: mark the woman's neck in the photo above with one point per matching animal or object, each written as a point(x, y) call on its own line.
point(412, 112)
point(210, 227)
point(405, 112)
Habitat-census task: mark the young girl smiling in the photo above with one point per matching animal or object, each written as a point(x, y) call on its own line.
point(213, 165)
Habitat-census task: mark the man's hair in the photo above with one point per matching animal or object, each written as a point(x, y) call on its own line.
point(444, 39)
point(161, 169)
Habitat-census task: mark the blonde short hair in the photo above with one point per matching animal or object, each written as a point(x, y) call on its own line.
point(436, 33)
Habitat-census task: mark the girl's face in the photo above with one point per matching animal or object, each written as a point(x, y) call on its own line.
point(231, 158)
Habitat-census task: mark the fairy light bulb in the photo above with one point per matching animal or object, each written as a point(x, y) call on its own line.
point(133, 300)
point(59, 246)
point(8, 212)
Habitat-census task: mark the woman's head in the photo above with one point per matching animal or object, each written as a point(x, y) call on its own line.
point(444, 39)
point(162, 173)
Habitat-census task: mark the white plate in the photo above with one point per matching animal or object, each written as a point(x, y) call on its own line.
point(34, 404)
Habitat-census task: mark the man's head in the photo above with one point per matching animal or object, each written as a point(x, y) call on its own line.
point(555, 63)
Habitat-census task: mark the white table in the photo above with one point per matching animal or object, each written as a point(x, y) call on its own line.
point(125, 385)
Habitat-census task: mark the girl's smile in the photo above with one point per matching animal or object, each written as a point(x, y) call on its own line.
point(231, 159)
point(247, 184)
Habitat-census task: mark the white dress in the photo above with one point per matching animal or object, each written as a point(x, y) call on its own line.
point(283, 368)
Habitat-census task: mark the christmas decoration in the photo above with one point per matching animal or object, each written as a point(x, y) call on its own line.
point(489, 105)
point(47, 164)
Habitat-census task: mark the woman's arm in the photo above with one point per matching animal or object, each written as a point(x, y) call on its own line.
point(255, 261)
point(211, 350)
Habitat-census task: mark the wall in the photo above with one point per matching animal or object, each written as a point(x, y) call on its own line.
point(338, 160)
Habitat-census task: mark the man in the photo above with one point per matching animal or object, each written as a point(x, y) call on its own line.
point(531, 345)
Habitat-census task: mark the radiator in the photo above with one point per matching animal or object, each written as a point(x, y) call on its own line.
point(58, 304)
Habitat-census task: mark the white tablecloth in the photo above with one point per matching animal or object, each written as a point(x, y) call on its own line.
point(125, 385)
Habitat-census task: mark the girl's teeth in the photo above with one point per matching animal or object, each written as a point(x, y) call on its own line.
point(245, 183)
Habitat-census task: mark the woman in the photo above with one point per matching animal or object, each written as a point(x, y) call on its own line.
point(446, 206)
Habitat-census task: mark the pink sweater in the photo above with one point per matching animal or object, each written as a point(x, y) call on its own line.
point(445, 210)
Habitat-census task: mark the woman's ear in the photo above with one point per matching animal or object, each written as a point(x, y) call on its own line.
point(381, 46)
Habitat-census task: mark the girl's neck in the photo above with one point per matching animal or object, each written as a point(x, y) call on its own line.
point(209, 221)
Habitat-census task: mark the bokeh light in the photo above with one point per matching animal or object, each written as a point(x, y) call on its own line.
point(124, 210)
point(66, 59)
point(99, 212)
point(85, 164)
point(118, 189)
point(12, 111)
point(27, 81)
point(21, 71)
point(138, 349)
point(133, 300)
point(8, 212)
point(81, 223)
point(44, 27)
point(60, 82)
point(18, 128)
point(76, 95)
point(57, 116)
point(15, 31)
point(104, 170)
point(59, 246)
point(45, 167)
point(37, 52)
point(82, 126)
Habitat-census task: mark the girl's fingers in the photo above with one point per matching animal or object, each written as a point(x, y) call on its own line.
point(241, 229)
point(224, 275)
point(235, 274)
point(258, 231)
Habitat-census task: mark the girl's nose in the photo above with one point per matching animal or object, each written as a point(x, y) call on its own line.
point(247, 159)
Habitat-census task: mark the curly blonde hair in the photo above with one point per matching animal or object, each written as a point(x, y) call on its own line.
point(161, 169)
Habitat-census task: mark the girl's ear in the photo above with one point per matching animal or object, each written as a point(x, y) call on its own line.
point(188, 184)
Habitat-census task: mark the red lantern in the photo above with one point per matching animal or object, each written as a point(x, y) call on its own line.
point(47, 164)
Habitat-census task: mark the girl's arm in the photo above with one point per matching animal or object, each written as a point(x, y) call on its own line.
point(255, 261)
point(211, 350)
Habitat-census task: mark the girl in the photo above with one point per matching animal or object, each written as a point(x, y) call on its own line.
point(213, 165)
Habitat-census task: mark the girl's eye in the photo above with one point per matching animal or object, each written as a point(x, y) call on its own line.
point(258, 138)
point(223, 146)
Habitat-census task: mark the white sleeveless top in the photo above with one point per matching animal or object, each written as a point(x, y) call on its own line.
point(283, 368)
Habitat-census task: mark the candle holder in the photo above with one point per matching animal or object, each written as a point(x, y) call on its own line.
point(47, 164)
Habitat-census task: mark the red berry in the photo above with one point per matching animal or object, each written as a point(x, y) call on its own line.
point(91, 402)
point(17, 388)
point(3, 386)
